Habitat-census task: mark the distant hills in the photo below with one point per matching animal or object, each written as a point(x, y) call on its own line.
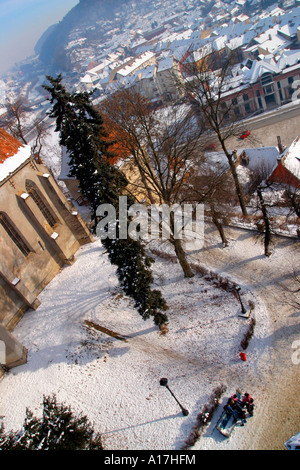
point(51, 45)
point(43, 38)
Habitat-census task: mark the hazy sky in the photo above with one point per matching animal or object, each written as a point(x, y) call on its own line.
point(22, 22)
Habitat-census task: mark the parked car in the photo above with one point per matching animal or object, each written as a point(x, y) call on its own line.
point(245, 134)
point(210, 147)
point(293, 443)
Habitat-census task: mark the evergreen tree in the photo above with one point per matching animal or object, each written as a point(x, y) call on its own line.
point(58, 429)
point(134, 273)
point(81, 131)
point(6, 440)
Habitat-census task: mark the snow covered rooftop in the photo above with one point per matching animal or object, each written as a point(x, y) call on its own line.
point(2, 92)
point(137, 63)
point(291, 158)
point(275, 44)
point(259, 67)
point(165, 64)
point(12, 154)
point(288, 58)
point(252, 158)
point(245, 38)
point(147, 72)
point(257, 158)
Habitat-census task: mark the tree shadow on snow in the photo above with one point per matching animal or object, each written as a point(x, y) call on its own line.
point(164, 418)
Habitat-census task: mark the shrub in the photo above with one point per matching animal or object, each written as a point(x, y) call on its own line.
point(205, 416)
point(249, 333)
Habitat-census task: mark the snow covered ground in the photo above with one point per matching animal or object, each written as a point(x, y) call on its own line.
point(51, 152)
point(116, 382)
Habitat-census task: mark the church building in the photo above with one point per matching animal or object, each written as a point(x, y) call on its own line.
point(40, 231)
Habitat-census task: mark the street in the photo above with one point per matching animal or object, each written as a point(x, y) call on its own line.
point(283, 122)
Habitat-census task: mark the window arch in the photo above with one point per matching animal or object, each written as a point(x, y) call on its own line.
point(14, 234)
point(32, 189)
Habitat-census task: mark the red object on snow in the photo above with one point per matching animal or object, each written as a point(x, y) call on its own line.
point(210, 147)
point(245, 134)
point(243, 356)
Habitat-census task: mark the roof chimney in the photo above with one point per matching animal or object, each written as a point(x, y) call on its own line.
point(280, 146)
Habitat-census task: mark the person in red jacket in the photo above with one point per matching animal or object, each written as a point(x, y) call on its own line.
point(248, 401)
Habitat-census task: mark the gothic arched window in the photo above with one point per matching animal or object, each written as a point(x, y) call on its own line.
point(14, 234)
point(40, 202)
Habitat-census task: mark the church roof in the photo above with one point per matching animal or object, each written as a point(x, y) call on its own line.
point(12, 154)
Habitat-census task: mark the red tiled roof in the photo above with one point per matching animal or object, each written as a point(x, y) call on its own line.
point(9, 145)
point(91, 65)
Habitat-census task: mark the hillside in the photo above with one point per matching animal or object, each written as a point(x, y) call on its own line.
point(44, 37)
point(82, 18)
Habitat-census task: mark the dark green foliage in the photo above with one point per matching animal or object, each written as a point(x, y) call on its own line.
point(6, 440)
point(81, 131)
point(134, 273)
point(58, 429)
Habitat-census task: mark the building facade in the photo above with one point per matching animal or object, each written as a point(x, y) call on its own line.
point(40, 230)
point(268, 88)
point(167, 78)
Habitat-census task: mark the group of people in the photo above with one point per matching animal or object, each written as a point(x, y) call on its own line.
point(236, 406)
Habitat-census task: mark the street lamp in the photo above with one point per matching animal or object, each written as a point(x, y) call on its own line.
point(164, 383)
point(238, 293)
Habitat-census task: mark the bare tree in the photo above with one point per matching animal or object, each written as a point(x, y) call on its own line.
point(264, 198)
point(211, 185)
point(291, 198)
point(19, 126)
point(206, 87)
point(161, 146)
point(16, 118)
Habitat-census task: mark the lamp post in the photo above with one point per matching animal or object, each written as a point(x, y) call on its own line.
point(238, 293)
point(164, 383)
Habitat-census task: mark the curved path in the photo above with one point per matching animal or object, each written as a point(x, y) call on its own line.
point(277, 414)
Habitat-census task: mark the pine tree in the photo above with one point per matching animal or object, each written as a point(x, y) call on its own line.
point(6, 440)
point(58, 429)
point(135, 276)
point(81, 131)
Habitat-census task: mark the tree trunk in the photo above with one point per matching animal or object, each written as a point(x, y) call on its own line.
point(238, 189)
point(180, 253)
point(219, 225)
point(145, 183)
point(268, 235)
point(182, 258)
